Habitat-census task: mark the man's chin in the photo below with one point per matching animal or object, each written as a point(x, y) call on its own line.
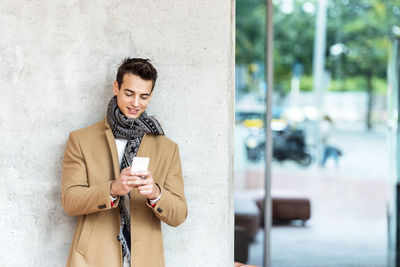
point(132, 116)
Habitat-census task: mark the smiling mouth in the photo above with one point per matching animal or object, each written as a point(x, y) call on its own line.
point(133, 111)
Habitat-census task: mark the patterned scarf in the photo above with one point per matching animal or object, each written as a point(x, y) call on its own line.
point(133, 131)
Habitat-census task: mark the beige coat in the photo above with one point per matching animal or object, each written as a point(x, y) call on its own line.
point(90, 164)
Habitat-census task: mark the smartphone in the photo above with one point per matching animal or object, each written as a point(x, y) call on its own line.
point(139, 164)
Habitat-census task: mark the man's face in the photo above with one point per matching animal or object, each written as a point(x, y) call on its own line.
point(133, 96)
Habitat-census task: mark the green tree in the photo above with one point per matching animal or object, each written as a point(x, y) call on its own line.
point(250, 41)
point(293, 42)
point(360, 29)
point(250, 31)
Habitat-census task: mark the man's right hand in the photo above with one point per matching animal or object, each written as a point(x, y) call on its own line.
point(122, 185)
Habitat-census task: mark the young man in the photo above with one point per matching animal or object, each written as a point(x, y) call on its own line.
point(119, 211)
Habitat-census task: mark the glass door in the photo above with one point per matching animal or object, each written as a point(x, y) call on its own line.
point(394, 151)
point(252, 140)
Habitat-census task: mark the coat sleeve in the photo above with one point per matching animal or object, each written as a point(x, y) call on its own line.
point(172, 207)
point(77, 196)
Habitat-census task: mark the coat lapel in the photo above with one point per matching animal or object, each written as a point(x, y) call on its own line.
point(113, 148)
point(141, 153)
point(142, 147)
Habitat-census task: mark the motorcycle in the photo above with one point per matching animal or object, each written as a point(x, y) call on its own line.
point(288, 144)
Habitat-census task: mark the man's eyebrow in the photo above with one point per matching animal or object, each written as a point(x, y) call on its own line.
point(130, 91)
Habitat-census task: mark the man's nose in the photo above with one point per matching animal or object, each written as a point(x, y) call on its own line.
point(135, 101)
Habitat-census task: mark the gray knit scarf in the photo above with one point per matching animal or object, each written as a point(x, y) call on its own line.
point(133, 131)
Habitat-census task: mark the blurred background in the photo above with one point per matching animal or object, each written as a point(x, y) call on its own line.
point(334, 132)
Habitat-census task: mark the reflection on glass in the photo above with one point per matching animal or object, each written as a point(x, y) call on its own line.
point(249, 131)
point(330, 174)
point(394, 150)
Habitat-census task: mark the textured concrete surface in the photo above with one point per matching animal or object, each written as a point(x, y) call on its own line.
point(58, 62)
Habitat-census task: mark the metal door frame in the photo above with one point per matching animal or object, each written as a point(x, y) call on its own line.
point(268, 116)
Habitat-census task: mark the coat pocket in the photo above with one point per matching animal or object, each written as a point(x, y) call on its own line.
point(87, 229)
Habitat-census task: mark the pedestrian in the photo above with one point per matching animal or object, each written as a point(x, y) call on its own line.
point(330, 150)
point(119, 211)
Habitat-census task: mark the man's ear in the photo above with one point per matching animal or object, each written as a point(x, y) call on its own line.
point(115, 88)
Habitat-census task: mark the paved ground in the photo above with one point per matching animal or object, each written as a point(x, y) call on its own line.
point(347, 228)
point(348, 225)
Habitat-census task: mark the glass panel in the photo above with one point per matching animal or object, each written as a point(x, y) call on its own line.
point(330, 175)
point(250, 131)
point(393, 130)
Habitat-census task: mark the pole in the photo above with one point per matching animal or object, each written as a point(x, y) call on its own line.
point(268, 138)
point(318, 70)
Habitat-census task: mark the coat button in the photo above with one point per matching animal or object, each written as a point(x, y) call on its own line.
point(159, 210)
point(102, 206)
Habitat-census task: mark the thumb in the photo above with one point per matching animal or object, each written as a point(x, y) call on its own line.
point(127, 170)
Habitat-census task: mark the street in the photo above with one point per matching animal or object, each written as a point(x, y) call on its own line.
point(348, 225)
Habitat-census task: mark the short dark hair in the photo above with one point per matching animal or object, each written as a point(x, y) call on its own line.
point(138, 66)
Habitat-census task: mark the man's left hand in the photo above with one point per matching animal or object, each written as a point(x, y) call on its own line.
point(145, 185)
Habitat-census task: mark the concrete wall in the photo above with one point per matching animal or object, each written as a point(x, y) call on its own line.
point(58, 62)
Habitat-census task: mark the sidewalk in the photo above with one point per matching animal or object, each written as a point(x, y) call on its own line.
point(348, 225)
